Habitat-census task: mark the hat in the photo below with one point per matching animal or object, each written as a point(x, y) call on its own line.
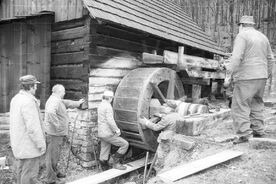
point(108, 93)
point(246, 20)
point(28, 79)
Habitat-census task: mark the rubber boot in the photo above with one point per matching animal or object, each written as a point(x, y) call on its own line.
point(117, 165)
point(104, 165)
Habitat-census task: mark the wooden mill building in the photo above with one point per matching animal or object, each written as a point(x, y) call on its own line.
point(99, 42)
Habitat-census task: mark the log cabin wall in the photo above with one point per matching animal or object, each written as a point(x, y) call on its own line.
point(116, 50)
point(25, 49)
point(64, 9)
point(219, 18)
point(69, 61)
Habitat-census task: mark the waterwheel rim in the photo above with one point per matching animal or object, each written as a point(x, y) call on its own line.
point(132, 101)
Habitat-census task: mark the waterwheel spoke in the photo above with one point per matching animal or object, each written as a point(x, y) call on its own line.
point(159, 92)
point(171, 87)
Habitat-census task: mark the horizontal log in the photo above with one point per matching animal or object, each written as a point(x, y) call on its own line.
point(152, 58)
point(99, 72)
point(68, 34)
point(102, 81)
point(111, 52)
point(117, 43)
point(114, 62)
point(193, 80)
point(97, 89)
point(74, 95)
point(93, 104)
point(206, 74)
point(189, 61)
point(69, 72)
point(74, 45)
point(68, 24)
point(68, 58)
point(73, 85)
point(95, 97)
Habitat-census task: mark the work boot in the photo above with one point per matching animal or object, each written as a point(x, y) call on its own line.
point(117, 165)
point(60, 175)
point(259, 135)
point(242, 139)
point(104, 165)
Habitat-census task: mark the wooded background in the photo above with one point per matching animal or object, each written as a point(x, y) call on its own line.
point(219, 18)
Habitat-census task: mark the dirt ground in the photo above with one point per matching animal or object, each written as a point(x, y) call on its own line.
point(253, 167)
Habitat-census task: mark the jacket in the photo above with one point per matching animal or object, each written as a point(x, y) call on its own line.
point(56, 117)
point(26, 127)
point(252, 57)
point(106, 124)
point(168, 122)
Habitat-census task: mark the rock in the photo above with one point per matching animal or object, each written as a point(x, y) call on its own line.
point(262, 143)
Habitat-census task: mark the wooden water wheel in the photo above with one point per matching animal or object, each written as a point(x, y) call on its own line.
point(132, 100)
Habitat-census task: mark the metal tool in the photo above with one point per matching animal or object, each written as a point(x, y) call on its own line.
point(71, 142)
point(145, 169)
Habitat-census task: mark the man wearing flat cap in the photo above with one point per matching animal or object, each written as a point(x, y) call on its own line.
point(26, 131)
point(250, 66)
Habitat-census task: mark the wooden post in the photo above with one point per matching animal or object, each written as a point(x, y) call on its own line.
point(180, 55)
point(196, 91)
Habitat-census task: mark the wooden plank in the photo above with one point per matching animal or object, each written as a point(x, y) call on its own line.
point(114, 62)
point(68, 72)
point(75, 45)
point(127, 103)
point(192, 80)
point(189, 61)
point(99, 72)
point(125, 115)
point(102, 81)
point(128, 92)
point(198, 165)
point(128, 126)
point(70, 84)
point(152, 58)
point(131, 135)
point(196, 91)
point(67, 34)
point(68, 58)
point(111, 173)
point(206, 74)
point(117, 43)
point(58, 26)
point(111, 52)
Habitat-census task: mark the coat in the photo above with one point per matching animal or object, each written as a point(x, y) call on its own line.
point(252, 56)
point(106, 124)
point(56, 117)
point(26, 127)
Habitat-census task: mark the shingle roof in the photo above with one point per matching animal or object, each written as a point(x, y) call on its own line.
point(158, 17)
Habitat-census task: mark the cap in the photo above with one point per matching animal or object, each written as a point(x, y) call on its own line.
point(246, 20)
point(28, 79)
point(108, 93)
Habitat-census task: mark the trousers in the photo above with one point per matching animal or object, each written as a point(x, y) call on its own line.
point(54, 144)
point(106, 143)
point(28, 171)
point(248, 106)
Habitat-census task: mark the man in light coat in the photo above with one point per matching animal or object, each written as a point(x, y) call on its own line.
point(26, 131)
point(250, 66)
point(56, 128)
point(109, 133)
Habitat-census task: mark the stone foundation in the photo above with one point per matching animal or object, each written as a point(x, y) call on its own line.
point(85, 142)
